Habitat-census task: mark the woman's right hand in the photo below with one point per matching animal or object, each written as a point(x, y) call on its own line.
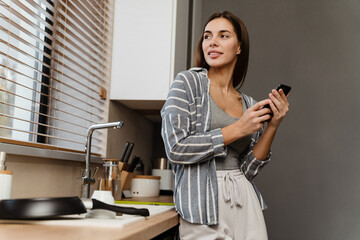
point(251, 121)
point(254, 117)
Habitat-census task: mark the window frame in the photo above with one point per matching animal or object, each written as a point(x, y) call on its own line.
point(40, 148)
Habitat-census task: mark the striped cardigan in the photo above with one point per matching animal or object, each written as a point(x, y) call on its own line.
point(191, 147)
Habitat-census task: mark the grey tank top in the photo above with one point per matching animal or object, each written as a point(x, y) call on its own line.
point(235, 150)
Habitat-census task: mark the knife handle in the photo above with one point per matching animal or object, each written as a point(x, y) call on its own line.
point(126, 159)
point(133, 163)
point(124, 152)
point(125, 210)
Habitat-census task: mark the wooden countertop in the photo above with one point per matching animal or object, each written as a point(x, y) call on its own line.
point(144, 229)
point(160, 199)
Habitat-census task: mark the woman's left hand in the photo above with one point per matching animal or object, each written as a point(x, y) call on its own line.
point(279, 106)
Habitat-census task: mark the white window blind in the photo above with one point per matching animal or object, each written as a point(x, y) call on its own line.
point(54, 71)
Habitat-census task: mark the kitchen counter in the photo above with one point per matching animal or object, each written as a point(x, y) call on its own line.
point(143, 229)
point(161, 199)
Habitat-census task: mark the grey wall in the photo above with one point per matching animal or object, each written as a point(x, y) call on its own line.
point(137, 129)
point(312, 185)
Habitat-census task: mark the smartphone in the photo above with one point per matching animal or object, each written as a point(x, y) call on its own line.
point(285, 88)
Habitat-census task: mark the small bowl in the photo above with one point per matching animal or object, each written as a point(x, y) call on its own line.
point(145, 186)
point(106, 197)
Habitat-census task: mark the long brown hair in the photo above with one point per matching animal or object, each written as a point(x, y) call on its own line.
point(241, 66)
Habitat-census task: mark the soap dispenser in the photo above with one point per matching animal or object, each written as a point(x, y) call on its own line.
point(5, 178)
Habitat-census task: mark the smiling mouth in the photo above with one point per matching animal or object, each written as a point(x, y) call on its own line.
point(214, 53)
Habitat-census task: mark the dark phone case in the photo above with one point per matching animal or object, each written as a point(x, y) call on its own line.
point(285, 88)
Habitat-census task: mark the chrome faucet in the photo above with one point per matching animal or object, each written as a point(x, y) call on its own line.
point(86, 177)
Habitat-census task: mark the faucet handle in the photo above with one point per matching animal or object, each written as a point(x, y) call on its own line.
point(82, 173)
point(96, 170)
point(85, 178)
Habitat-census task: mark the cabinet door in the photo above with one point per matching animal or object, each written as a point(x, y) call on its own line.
point(143, 43)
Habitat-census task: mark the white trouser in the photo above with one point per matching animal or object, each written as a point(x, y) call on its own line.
point(240, 214)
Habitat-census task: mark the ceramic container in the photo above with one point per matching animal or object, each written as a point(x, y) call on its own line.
point(145, 186)
point(166, 180)
point(5, 184)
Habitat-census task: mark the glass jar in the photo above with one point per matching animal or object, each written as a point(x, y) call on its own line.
point(112, 178)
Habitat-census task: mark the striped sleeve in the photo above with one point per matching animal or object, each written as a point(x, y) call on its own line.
point(184, 145)
point(250, 165)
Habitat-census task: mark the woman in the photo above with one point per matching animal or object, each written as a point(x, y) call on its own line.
point(216, 137)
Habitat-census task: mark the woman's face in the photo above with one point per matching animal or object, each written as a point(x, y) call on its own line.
point(220, 44)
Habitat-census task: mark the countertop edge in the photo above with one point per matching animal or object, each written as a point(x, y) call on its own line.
point(151, 227)
point(144, 229)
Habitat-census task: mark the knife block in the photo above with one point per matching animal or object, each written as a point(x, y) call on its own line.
point(126, 178)
point(123, 166)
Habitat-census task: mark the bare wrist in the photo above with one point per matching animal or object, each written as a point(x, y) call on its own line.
point(232, 133)
point(272, 127)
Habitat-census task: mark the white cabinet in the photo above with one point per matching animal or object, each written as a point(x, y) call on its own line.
point(150, 45)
